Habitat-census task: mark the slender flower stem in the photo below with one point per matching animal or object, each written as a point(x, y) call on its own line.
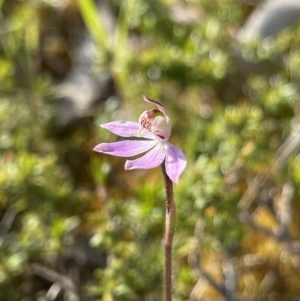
point(169, 233)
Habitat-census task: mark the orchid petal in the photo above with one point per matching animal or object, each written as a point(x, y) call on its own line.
point(160, 106)
point(175, 162)
point(126, 148)
point(127, 129)
point(150, 160)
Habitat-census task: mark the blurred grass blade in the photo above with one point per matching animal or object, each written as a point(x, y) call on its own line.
point(122, 28)
point(31, 32)
point(121, 53)
point(92, 21)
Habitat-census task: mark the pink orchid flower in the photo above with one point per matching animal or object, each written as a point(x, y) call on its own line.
point(155, 126)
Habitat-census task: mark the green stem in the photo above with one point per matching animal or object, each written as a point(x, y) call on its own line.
point(169, 233)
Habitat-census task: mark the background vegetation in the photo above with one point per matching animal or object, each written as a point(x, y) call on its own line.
point(75, 225)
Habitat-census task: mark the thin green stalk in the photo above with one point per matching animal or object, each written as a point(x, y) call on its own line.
point(168, 238)
point(93, 22)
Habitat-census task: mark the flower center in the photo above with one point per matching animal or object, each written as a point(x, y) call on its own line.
point(157, 123)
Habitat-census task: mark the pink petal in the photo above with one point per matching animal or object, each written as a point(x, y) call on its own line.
point(127, 129)
point(150, 160)
point(175, 162)
point(125, 148)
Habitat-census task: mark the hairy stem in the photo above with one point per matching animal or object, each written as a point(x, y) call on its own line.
point(169, 233)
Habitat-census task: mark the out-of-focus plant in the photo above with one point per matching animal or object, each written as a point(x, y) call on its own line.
point(36, 192)
point(113, 48)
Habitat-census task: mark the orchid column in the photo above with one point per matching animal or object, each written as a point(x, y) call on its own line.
point(155, 127)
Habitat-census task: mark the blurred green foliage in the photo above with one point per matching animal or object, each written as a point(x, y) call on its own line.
point(230, 122)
